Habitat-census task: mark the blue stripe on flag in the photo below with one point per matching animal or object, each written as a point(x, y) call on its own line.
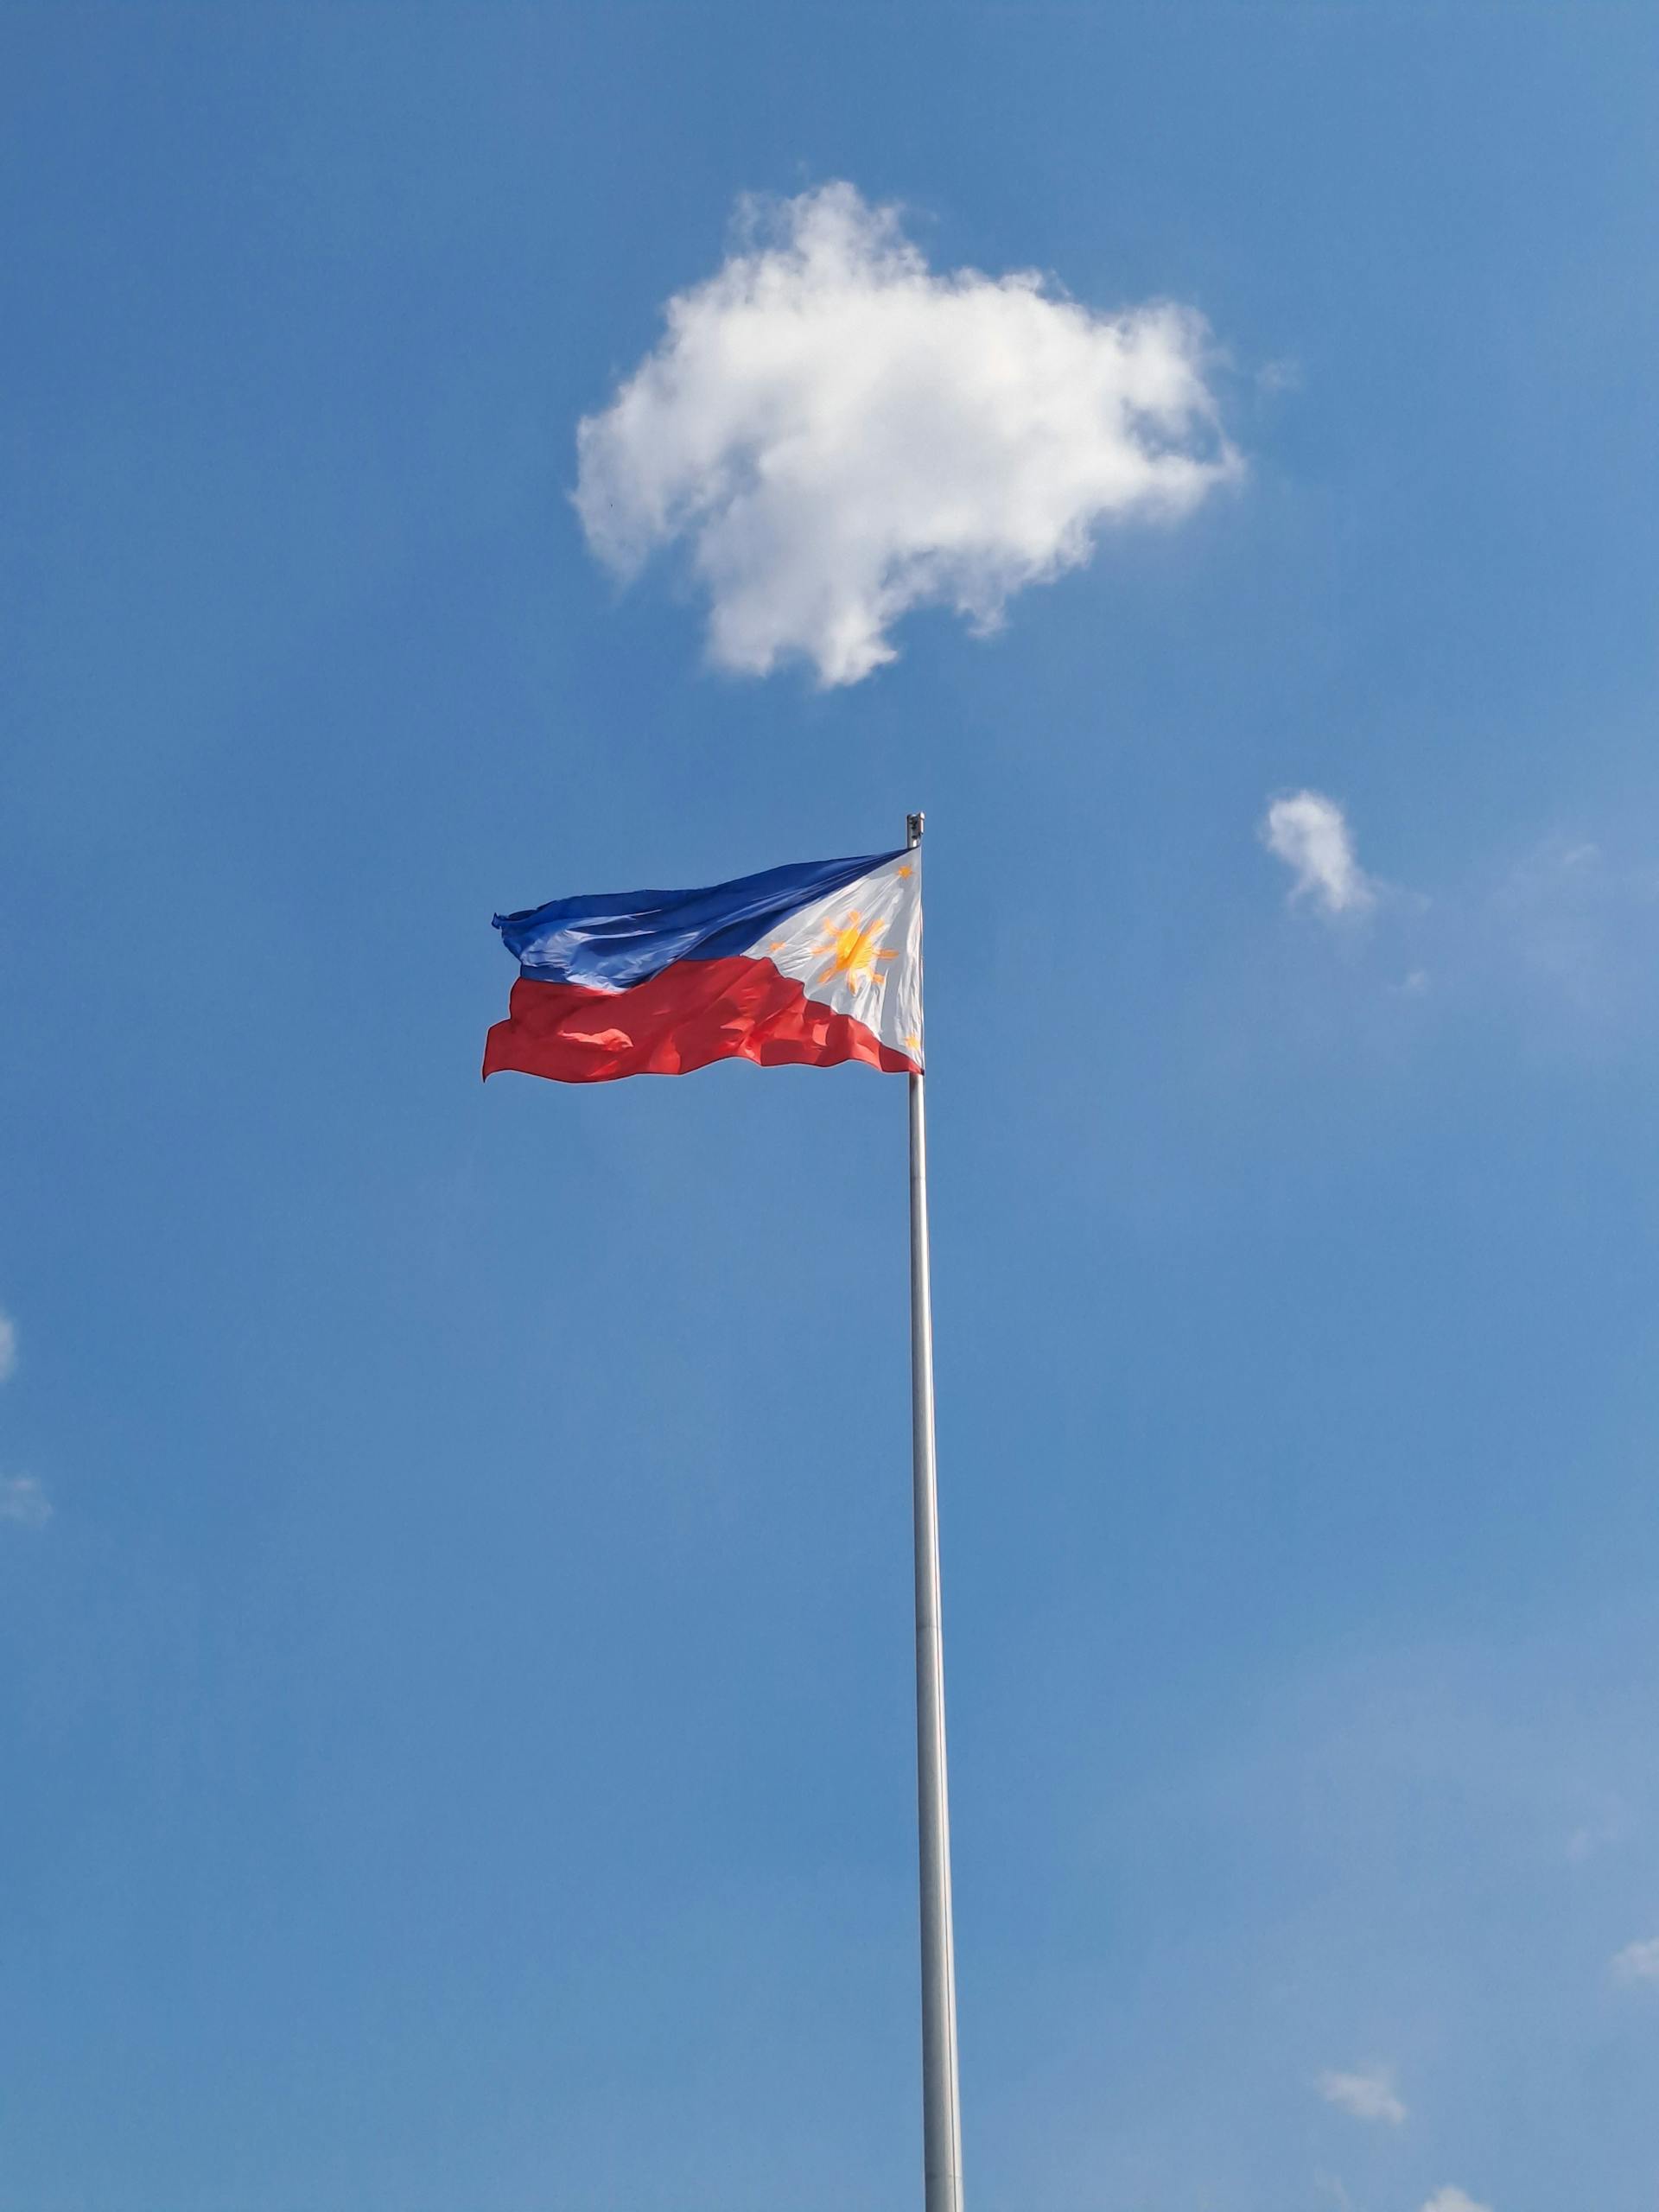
point(610, 941)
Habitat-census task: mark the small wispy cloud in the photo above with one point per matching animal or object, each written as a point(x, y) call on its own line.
point(840, 434)
point(8, 1346)
point(24, 1502)
point(1637, 1962)
point(1560, 938)
point(1581, 925)
point(1610, 1825)
point(1367, 2094)
point(1453, 2200)
point(1309, 833)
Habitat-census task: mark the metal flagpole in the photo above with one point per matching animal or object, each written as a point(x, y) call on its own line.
point(940, 2108)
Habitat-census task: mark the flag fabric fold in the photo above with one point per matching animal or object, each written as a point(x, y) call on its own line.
point(808, 965)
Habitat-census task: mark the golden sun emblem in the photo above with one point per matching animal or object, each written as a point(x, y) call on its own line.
point(854, 952)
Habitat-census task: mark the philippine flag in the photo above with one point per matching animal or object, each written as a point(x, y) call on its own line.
point(804, 966)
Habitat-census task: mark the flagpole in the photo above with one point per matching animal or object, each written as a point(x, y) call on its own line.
point(940, 2108)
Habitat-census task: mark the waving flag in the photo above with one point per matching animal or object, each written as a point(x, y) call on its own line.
point(808, 965)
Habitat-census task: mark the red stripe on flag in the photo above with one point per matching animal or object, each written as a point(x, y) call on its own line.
point(691, 1013)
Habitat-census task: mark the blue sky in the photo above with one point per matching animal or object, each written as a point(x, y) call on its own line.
point(455, 1734)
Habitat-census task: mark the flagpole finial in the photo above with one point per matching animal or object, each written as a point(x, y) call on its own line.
point(913, 831)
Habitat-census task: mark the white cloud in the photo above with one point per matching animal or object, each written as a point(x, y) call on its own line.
point(8, 1346)
point(1368, 2095)
point(842, 434)
point(1309, 833)
point(1637, 1962)
point(22, 1500)
point(1453, 2200)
